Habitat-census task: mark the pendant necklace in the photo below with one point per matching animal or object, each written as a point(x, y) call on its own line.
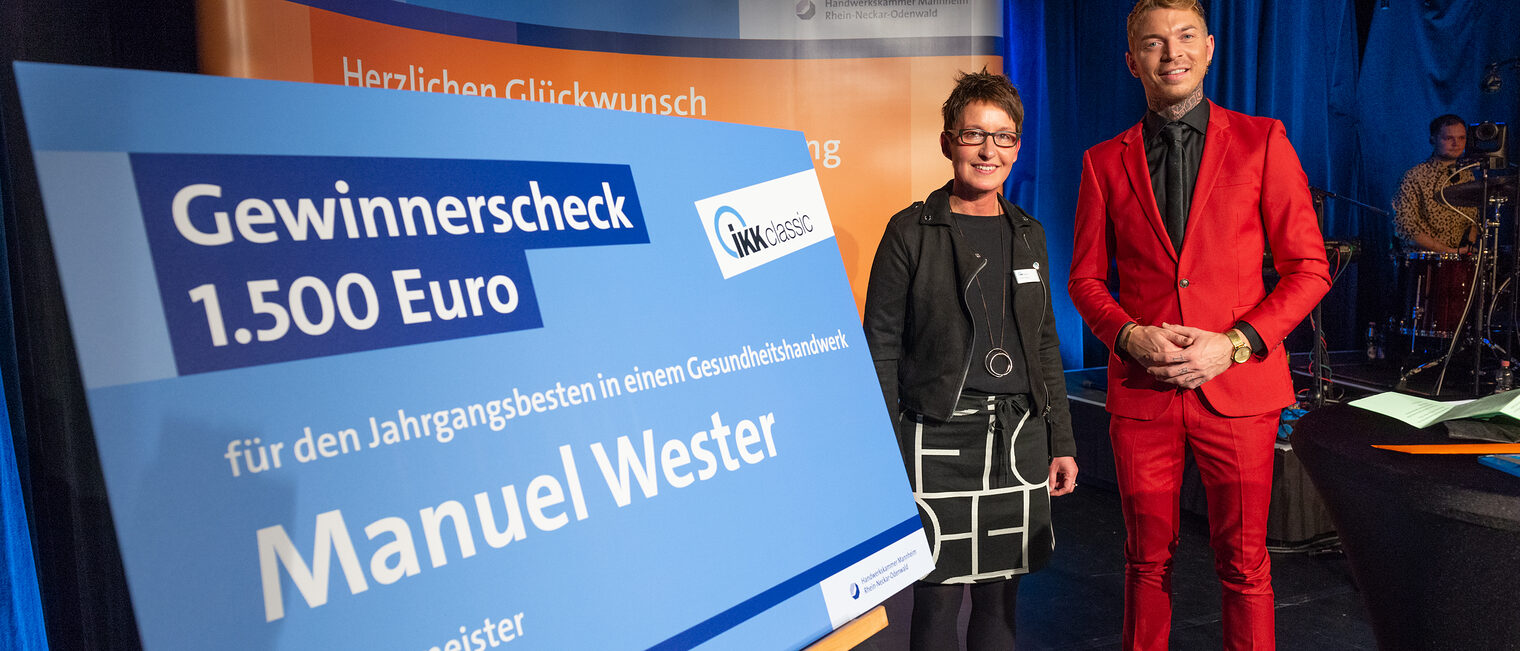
point(998, 362)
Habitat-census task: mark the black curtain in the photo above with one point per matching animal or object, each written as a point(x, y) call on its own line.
point(78, 568)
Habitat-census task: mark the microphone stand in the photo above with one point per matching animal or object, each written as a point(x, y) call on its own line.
point(1489, 84)
point(1318, 355)
point(1332, 195)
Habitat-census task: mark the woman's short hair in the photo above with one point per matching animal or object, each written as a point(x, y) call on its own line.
point(989, 87)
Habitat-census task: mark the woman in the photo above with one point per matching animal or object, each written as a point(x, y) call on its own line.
point(959, 323)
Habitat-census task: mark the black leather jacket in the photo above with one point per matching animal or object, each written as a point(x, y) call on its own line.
point(918, 321)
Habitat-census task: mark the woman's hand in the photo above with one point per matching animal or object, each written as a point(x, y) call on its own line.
point(1063, 475)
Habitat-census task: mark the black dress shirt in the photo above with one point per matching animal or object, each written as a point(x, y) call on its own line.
point(1192, 152)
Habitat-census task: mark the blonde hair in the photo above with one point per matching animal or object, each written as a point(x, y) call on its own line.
point(1132, 24)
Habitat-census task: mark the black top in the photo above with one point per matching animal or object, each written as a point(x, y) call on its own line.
point(992, 238)
point(1197, 121)
point(916, 322)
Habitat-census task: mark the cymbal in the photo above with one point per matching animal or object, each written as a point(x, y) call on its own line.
point(1470, 194)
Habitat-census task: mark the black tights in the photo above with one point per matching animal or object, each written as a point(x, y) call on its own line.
point(936, 607)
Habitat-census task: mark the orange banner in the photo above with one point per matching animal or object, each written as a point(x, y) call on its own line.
point(871, 123)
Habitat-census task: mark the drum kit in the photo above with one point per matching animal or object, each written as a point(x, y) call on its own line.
point(1461, 307)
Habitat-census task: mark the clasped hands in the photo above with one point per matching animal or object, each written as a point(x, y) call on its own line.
point(1179, 355)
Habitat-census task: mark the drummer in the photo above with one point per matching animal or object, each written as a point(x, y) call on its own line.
point(1420, 217)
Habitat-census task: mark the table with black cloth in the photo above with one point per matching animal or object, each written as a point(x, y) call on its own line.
point(1433, 540)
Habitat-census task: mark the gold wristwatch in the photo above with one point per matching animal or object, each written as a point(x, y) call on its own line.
point(1241, 344)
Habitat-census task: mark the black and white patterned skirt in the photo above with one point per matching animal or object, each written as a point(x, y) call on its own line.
point(980, 480)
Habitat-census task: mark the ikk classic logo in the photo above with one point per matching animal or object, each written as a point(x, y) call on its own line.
point(761, 223)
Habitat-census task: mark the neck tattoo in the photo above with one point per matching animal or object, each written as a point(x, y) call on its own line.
point(1175, 112)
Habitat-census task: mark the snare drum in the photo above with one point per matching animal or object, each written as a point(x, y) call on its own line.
point(1436, 290)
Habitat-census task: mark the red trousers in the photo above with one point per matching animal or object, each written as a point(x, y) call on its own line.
point(1234, 457)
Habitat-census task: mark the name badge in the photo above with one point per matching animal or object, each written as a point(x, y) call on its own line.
point(1026, 275)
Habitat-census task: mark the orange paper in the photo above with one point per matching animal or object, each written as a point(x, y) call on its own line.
point(1455, 448)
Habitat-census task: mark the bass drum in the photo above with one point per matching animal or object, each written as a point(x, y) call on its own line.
point(1437, 287)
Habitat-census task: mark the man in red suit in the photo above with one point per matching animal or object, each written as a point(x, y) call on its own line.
point(1184, 204)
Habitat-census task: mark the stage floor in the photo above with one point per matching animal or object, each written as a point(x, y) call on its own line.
point(1351, 375)
point(1077, 602)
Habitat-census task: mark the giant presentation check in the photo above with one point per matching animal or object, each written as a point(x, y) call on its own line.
point(373, 369)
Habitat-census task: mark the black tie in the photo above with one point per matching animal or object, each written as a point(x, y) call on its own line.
point(1177, 199)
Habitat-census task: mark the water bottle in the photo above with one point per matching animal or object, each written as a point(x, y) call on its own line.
point(1504, 378)
point(1372, 342)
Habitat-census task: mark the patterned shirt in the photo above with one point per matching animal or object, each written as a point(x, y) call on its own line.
point(1418, 208)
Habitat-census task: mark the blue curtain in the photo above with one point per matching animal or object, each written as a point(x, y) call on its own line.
point(1425, 58)
point(1067, 59)
point(21, 624)
point(20, 608)
point(1297, 62)
point(1290, 60)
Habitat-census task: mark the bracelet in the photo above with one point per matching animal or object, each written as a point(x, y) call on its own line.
point(1124, 336)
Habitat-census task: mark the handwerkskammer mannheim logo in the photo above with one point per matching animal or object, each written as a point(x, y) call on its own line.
point(752, 226)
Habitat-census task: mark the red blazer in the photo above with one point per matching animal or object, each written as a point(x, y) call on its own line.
point(1251, 194)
